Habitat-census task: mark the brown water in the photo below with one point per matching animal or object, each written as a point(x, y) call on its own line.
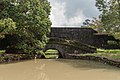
point(58, 70)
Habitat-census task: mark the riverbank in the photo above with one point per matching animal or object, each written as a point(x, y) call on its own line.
point(104, 60)
point(110, 57)
point(12, 58)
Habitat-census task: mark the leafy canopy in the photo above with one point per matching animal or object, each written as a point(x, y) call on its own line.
point(7, 26)
point(109, 19)
point(110, 16)
point(30, 19)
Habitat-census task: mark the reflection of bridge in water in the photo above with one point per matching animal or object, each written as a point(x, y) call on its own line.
point(77, 40)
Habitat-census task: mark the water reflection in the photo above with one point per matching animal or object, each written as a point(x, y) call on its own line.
point(58, 70)
point(30, 70)
point(38, 69)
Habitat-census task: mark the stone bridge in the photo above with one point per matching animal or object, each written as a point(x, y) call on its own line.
point(66, 47)
point(76, 40)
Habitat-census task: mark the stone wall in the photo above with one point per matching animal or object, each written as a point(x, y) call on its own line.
point(84, 35)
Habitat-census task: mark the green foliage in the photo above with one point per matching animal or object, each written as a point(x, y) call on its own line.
point(112, 42)
point(32, 22)
point(7, 26)
point(109, 19)
point(117, 35)
point(110, 16)
point(95, 24)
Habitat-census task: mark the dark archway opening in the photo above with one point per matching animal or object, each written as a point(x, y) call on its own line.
point(53, 53)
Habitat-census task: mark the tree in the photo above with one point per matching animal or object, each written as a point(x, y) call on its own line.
point(95, 24)
point(110, 16)
point(32, 22)
point(7, 26)
point(109, 19)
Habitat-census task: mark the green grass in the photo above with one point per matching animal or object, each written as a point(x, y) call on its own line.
point(113, 51)
point(2, 51)
point(51, 53)
point(110, 54)
point(51, 56)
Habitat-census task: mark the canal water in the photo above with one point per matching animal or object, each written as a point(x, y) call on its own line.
point(60, 69)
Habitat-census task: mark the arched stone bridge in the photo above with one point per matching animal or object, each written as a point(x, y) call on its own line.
point(66, 47)
point(77, 40)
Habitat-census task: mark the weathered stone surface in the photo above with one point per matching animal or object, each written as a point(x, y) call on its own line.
point(71, 41)
point(86, 37)
point(64, 50)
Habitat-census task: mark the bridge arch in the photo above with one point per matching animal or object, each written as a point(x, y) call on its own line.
point(58, 47)
point(58, 52)
point(67, 47)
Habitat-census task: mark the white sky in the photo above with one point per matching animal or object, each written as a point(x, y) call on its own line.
point(72, 12)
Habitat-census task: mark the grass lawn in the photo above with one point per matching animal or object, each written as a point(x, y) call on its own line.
point(2, 51)
point(51, 53)
point(111, 54)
